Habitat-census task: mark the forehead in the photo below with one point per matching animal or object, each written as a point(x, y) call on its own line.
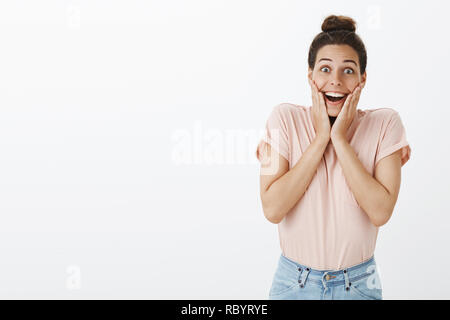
point(337, 53)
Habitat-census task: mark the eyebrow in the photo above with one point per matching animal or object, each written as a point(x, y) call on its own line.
point(348, 60)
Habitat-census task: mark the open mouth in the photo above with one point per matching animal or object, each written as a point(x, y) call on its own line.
point(335, 98)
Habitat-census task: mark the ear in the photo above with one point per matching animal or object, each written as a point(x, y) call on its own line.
point(363, 79)
point(310, 73)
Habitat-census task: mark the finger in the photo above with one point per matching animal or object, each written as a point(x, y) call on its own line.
point(347, 102)
point(317, 99)
point(323, 105)
point(313, 93)
point(313, 89)
point(353, 102)
point(319, 94)
point(357, 92)
point(311, 83)
point(316, 86)
point(316, 92)
point(322, 100)
point(358, 95)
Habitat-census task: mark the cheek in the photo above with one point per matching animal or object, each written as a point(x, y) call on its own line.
point(319, 79)
point(351, 85)
point(320, 82)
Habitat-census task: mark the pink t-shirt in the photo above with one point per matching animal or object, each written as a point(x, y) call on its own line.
point(327, 229)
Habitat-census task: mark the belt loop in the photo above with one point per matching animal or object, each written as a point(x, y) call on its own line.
point(324, 276)
point(303, 275)
point(347, 282)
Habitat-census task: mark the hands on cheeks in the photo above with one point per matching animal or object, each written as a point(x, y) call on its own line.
point(347, 113)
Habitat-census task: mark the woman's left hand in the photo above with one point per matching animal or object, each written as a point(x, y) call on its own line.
point(345, 117)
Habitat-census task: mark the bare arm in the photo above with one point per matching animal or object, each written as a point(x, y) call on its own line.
point(283, 189)
point(375, 195)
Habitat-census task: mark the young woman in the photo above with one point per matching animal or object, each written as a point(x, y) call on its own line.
point(330, 175)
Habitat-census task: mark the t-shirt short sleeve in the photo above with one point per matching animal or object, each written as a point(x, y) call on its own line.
point(393, 138)
point(275, 134)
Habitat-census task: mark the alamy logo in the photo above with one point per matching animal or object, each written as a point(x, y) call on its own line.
point(373, 281)
point(73, 281)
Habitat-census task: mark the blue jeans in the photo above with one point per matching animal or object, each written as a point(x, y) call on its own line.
point(294, 281)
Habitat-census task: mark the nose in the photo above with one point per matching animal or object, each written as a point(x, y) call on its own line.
point(335, 80)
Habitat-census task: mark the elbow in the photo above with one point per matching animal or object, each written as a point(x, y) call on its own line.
point(273, 218)
point(381, 219)
point(378, 223)
point(272, 209)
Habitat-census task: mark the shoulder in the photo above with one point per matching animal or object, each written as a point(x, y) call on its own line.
point(288, 110)
point(379, 114)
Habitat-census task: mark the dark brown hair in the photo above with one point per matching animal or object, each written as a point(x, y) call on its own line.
point(338, 30)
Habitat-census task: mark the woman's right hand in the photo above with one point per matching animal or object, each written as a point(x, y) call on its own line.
point(319, 112)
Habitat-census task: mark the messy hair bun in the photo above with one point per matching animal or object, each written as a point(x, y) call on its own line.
point(338, 30)
point(332, 23)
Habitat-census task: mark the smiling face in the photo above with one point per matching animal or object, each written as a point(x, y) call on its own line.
point(337, 73)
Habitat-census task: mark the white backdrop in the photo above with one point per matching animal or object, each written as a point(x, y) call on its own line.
point(128, 133)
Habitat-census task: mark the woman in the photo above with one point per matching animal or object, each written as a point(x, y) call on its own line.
point(330, 175)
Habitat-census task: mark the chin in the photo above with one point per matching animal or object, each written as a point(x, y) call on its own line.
point(333, 113)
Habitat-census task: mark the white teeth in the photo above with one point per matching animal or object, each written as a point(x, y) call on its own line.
point(334, 94)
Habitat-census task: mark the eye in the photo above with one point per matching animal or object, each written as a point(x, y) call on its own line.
point(350, 70)
point(324, 68)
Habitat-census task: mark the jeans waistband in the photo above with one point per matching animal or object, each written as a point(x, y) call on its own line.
point(331, 277)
